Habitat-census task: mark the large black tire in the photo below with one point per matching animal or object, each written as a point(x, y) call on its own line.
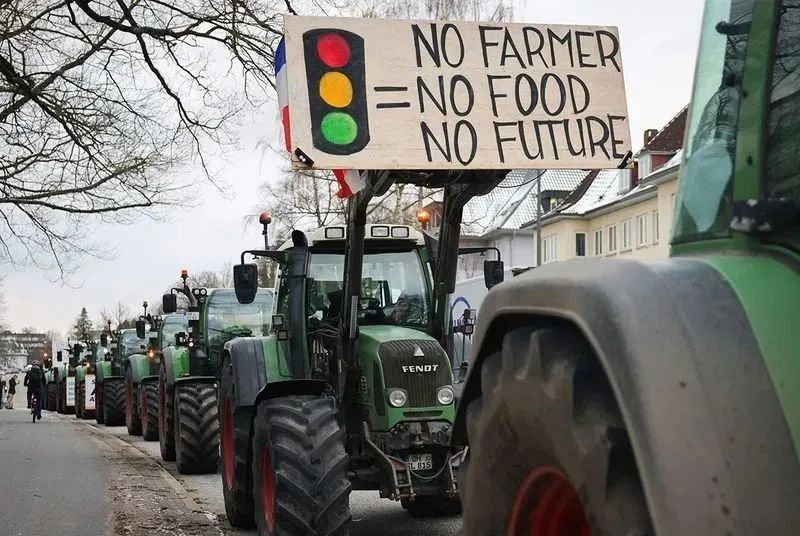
point(237, 475)
point(548, 446)
point(166, 418)
point(60, 401)
point(52, 396)
point(300, 480)
point(196, 428)
point(79, 387)
point(98, 404)
point(114, 401)
point(132, 420)
point(148, 408)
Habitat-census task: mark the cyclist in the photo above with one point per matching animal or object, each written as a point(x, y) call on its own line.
point(35, 381)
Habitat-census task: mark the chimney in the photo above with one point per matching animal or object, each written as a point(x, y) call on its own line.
point(649, 134)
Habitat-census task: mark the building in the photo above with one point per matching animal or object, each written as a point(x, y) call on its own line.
point(17, 350)
point(619, 213)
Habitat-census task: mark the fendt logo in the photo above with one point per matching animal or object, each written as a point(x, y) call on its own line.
point(419, 368)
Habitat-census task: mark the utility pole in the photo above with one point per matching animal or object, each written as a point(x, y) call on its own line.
point(539, 219)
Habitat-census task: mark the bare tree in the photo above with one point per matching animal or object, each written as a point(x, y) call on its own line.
point(103, 102)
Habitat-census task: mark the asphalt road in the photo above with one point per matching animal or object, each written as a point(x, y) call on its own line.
point(68, 477)
point(50, 477)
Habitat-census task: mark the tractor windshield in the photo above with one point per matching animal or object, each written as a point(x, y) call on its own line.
point(130, 343)
point(227, 318)
point(171, 326)
point(705, 204)
point(394, 287)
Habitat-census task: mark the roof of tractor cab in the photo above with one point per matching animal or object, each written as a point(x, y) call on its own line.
point(373, 231)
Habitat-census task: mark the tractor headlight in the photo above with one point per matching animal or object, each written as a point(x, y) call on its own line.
point(397, 398)
point(445, 395)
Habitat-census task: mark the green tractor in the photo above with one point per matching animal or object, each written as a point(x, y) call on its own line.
point(353, 386)
point(142, 369)
point(110, 380)
point(662, 397)
point(85, 381)
point(51, 389)
point(137, 344)
point(64, 376)
point(190, 370)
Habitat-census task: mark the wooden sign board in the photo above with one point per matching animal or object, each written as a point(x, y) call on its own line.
point(389, 94)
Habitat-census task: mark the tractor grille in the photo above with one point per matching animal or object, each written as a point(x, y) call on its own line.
point(420, 385)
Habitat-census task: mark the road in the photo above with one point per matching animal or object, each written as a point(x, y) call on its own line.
point(125, 487)
point(48, 471)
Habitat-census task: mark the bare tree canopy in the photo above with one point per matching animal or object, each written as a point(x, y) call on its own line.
point(101, 100)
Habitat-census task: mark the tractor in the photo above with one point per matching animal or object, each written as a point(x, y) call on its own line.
point(51, 389)
point(64, 375)
point(110, 376)
point(353, 386)
point(135, 346)
point(662, 397)
point(190, 370)
point(85, 381)
point(144, 367)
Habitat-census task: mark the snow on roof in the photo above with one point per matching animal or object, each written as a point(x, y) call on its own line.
point(513, 202)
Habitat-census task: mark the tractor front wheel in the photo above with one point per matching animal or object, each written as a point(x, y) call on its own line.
point(113, 405)
point(132, 420)
point(60, 401)
point(196, 428)
point(300, 483)
point(98, 405)
point(234, 427)
point(148, 408)
point(52, 396)
point(79, 397)
point(166, 424)
point(549, 451)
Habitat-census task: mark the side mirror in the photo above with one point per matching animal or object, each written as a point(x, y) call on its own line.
point(169, 302)
point(245, 282)
point(104, 339)
point(493, 273)
point(59, 356)
point(141, 326)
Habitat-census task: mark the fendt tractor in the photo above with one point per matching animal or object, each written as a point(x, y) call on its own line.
point(190, 371)
point(65, 379)
point(136, 344)
point(115, 346)
point(51, 389)
point(85, 381)
point(352, 388)
point(144, 368)
point(662, 397)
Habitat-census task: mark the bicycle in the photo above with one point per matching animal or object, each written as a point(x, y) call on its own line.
point(34, 403)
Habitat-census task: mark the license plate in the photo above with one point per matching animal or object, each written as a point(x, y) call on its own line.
point(420, 462)
point(193, 315)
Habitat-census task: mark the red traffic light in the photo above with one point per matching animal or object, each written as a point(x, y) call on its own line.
point(333, 50)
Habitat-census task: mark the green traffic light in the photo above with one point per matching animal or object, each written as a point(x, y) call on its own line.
point(339, 128)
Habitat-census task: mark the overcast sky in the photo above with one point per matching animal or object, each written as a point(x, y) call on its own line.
point(659, 44)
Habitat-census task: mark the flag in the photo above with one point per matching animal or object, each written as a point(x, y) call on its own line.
point(349, 182)
point(349, 179)
point(282, 84)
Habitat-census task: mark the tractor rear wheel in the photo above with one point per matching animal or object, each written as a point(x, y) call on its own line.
point(114, 402)
point(52, 396)
point(132, 420)
point(432, 506)
point(549, 451)
point(98, 405)
point(60, 401)
point(148, 407)
point(300, 480)
point(79, 387)
point(234, 427)
point(166, 424)
point(196, 428)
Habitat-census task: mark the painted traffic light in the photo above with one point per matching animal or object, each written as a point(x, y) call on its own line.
point(337, 90)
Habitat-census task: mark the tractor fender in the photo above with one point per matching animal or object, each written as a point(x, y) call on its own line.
point(167, 360)
point(249, 368)
point(139, 367)
point(292, 387)
point(708, 432)
point(196, 379)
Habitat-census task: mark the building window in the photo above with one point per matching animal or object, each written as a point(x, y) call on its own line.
point(641, 230)
point(598, 242)
point(549, 247)
point(611, 230)
point(626, 235)
point(655, 227)
point(580, 244)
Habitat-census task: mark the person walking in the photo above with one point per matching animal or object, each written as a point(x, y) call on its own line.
point(12, 390)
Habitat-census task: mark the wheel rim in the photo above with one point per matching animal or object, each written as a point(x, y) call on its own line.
point(546, 504)
point(268, 490)
point(227, 443)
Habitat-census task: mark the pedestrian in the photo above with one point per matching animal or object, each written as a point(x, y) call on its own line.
point(2, 389)
point(35, 381)
point(12, 390)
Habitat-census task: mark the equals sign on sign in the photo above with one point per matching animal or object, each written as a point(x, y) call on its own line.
point(392, 89)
